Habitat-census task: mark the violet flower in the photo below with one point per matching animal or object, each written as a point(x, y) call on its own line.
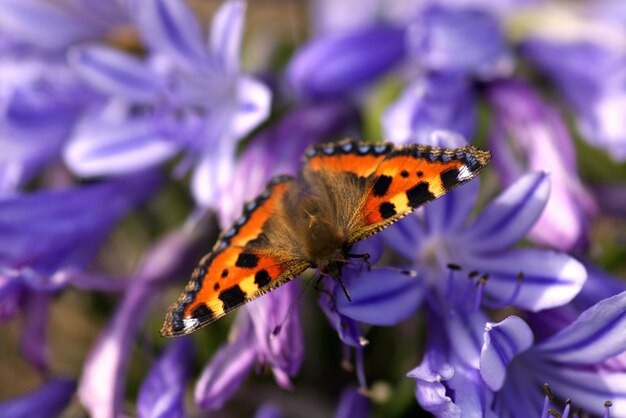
point(576, 361)
point(456, 39)
point(437, 101)
point(595, 92)
point(41, 97)
point(186, 97)
point(524, 124)
point(162, 392)
point(102, 384)
point(49, 400)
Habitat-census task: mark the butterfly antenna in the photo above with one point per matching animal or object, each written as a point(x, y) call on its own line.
point(305, 288)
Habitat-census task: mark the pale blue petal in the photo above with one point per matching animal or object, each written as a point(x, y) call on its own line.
point(228, 368)
point(170, 27)
point(103, 148)
point(465, 333)
point(550, 279)
point(116, 73)
point(225, 36)
point(43, 23)
point(381, 297)
point(253, 106)
point(510, 216)
point(595, 336)
point(502, 342)
point(405, 236)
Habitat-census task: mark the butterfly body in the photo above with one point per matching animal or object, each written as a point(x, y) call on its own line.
point(345, 192)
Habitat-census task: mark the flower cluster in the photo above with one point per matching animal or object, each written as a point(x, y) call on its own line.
point(131, 133)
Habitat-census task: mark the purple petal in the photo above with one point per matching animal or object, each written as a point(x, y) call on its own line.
point(352, 405)
point(226, 34)
point(116, 73)
point(405, 236)
point(595, 336)
point(33, 340)
point(162, 392)
point(465, 333)
point(437, 101)
point(550, 279)
point(381, 297)
point(539, 133)
point(12, 296)
point(63, 228)
point(227, 370)
point(611, 198)
point(450, 212)
point(283, 350)
point(589, 389)
point(455, 39)
point(599, 285)
point(335, 66)
point(510, 216)
point(103, 147)
point(253, 106)
point(102, 383)
point(43, 23)
point(268, 411)
point(170, 27)
point(212, 174)
point(348, 329)
point(49, 400)
point(503, 341)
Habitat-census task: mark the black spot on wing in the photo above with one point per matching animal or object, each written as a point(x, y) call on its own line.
point(202, 313)
point(382, 185)
point(404, 173)
point(387, 210)
point(224, 273)
point(247, 260)
point(232, 297)
point(449, 178)
point(262, 278)
point(418, 195)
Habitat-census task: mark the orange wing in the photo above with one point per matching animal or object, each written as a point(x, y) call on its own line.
point(243, 265)
point(392, 181)
point(410, 176)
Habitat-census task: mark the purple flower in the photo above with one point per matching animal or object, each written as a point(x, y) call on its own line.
point(49, 400)
point(576, 361)
point(352, 405)
point(596, 92)
point(101, 387)
point(268, 332)
point(335, 65)
point(524, 124)
point(459, 39)
point(162, 392)
point(185, 97)
point(437, 101)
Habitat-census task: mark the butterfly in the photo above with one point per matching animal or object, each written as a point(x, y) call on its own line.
point(344, 193)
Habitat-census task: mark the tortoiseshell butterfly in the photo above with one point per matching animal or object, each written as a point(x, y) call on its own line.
point(344, 193)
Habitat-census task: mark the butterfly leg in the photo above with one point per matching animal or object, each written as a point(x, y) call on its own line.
point(344, 288)
point(365, 257)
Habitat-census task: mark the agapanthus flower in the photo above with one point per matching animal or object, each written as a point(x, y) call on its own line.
point(49, 400)
point(576, 361)
point(184, 97)
point(103, 380)
point(523, 125)
point(41, 98)
point(53, 236)
point(595, 92)
point(462, 268)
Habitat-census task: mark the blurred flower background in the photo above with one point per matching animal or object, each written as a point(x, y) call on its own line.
point(132, 131)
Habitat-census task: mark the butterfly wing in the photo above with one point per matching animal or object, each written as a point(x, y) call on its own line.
point(409, 177)
point(392, 181)
point(245, 263)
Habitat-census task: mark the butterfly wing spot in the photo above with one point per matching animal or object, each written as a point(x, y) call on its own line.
point(262, 278)
point(224, 273)
point(387, 210)
point(404, 173)
point(233, 297)
point(247, 260)
point(382, 185)
point(419, 194)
